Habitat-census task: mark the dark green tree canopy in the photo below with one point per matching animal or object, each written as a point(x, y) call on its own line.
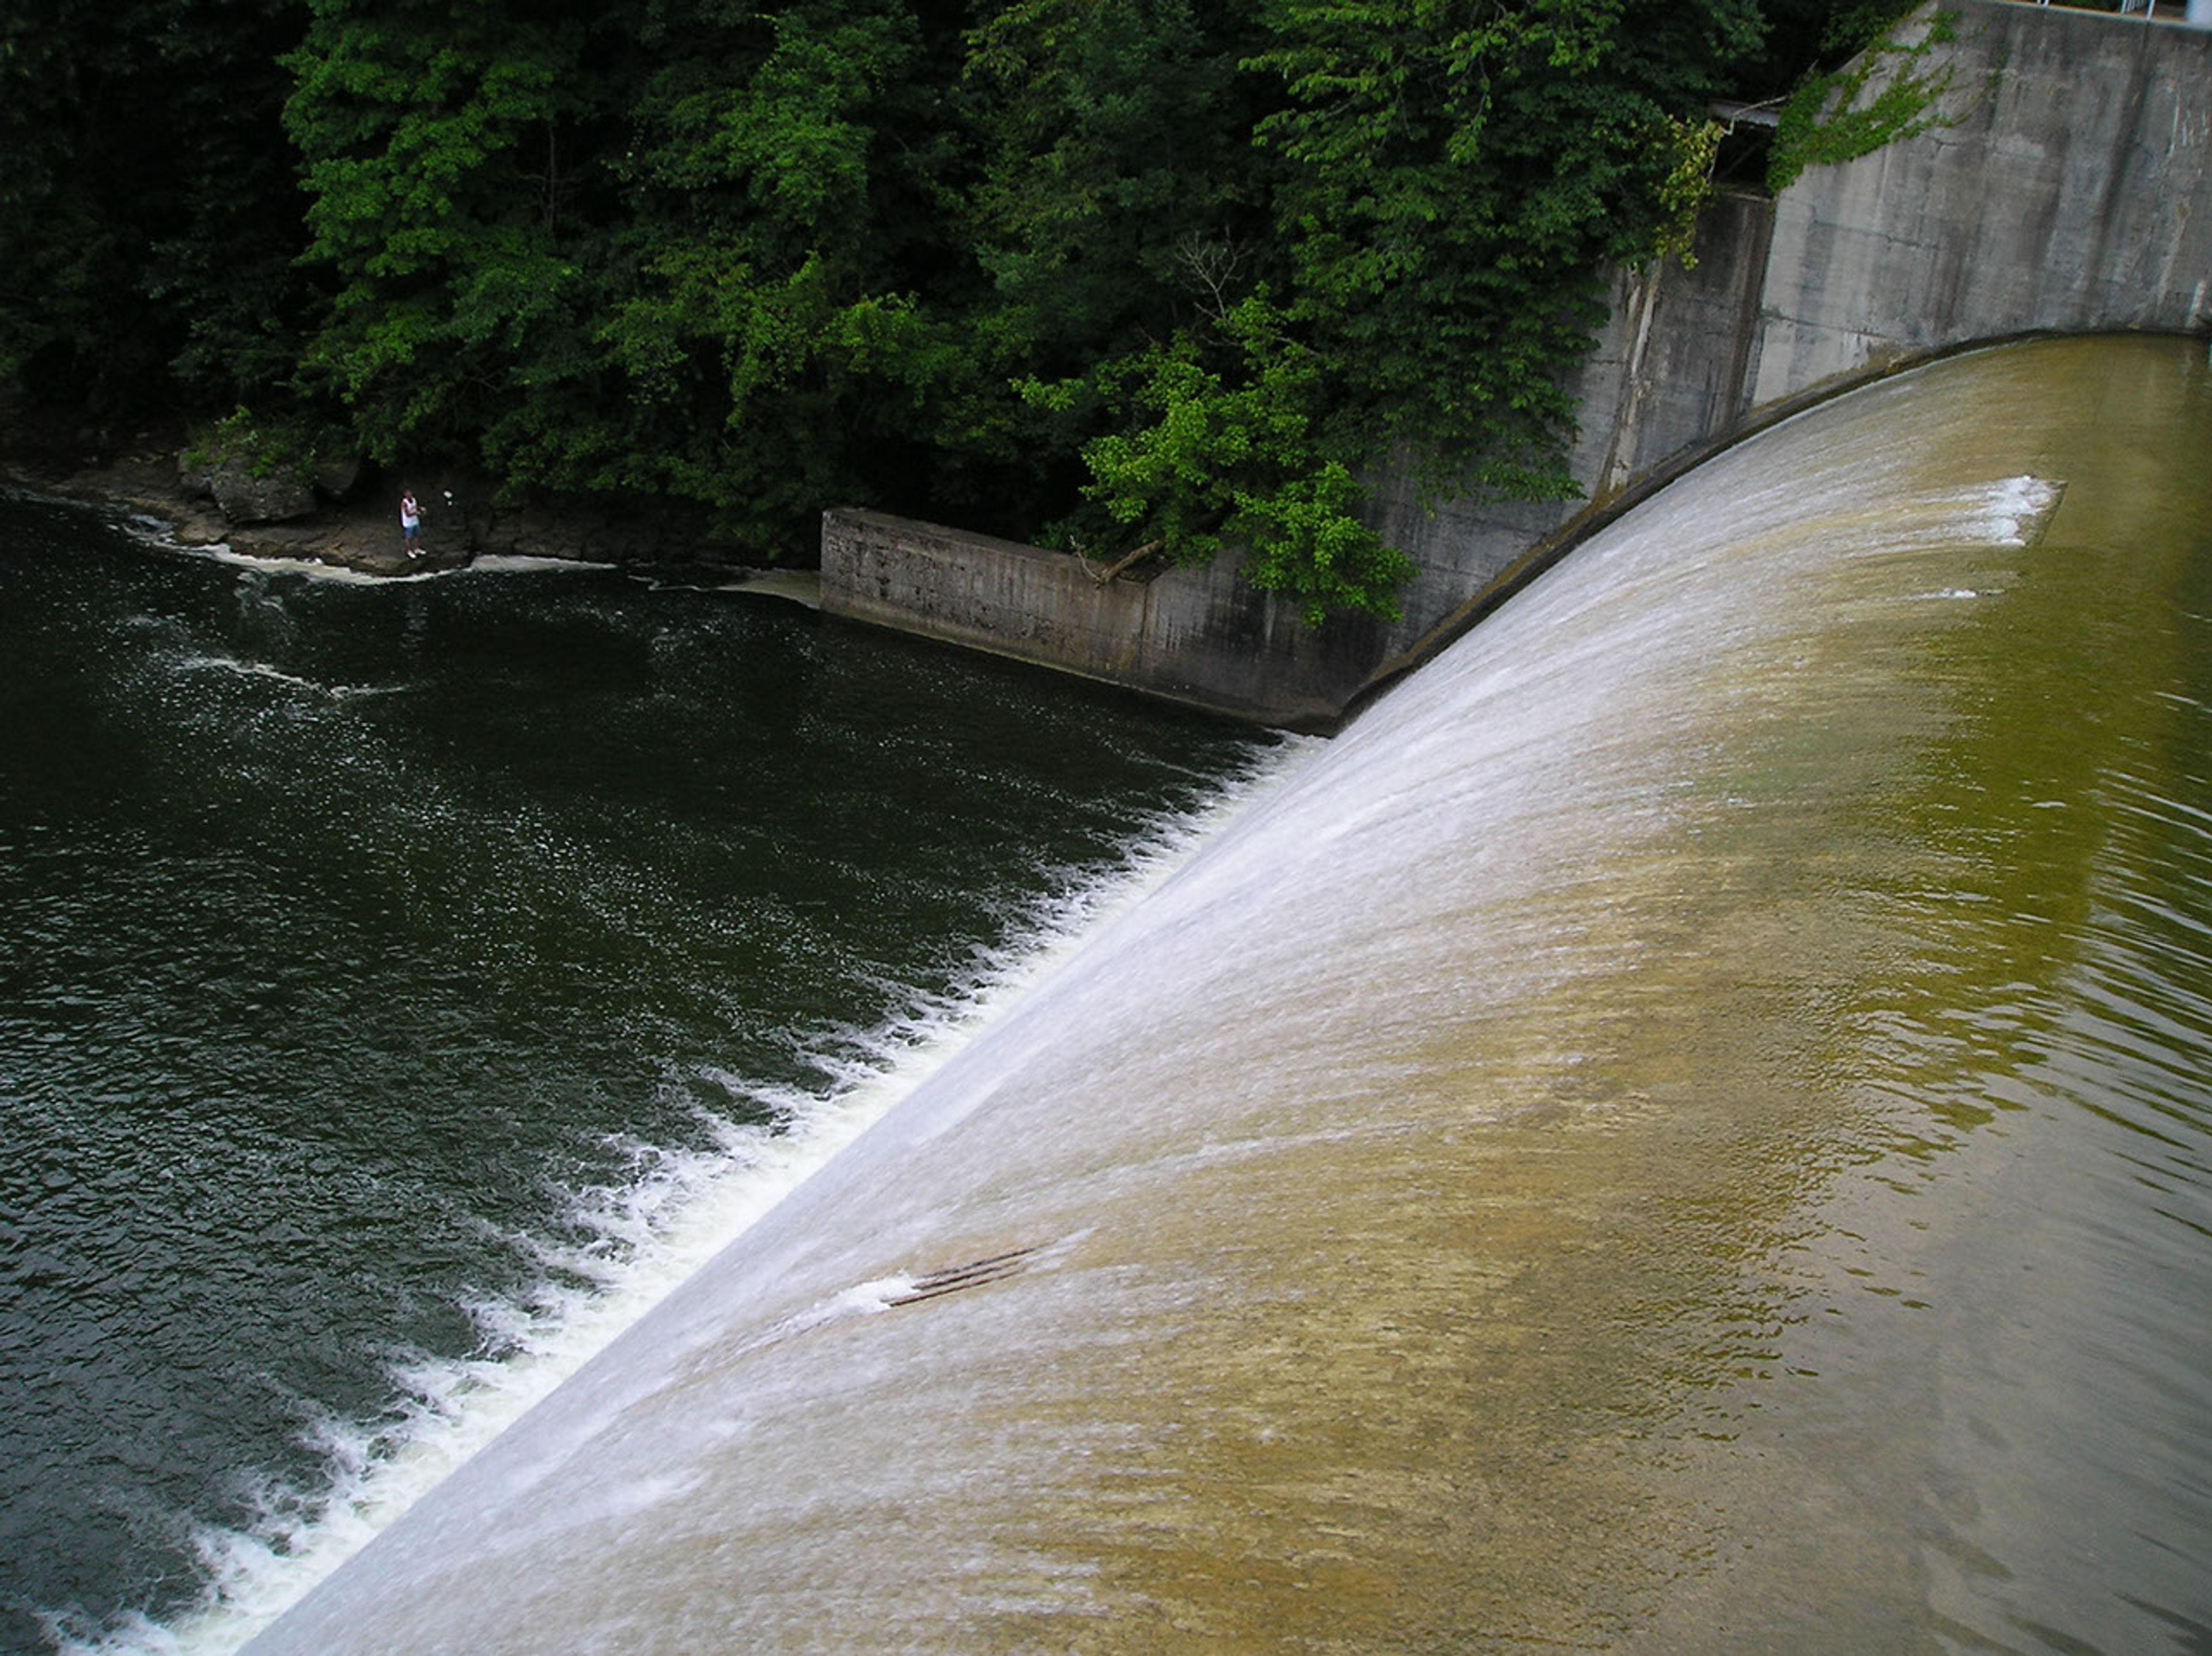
point(148, 212)
point(1120, 275)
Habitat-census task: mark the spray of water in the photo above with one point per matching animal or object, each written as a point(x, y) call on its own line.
point(625, 1243)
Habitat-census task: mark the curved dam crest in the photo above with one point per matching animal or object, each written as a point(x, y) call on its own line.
point(2058, 183)
point(1551, 1173)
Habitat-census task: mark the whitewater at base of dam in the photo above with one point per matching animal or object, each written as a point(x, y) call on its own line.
point(1683, 1129)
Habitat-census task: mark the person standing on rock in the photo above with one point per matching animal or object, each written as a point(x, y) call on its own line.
point(411, 522)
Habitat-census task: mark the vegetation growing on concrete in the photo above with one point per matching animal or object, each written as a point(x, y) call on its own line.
point(1825, 123)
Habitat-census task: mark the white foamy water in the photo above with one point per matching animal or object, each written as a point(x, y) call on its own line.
point(491, 563)
point(1394, 1231)
point(631, 1244)
point(526, 563)
point(278, 675)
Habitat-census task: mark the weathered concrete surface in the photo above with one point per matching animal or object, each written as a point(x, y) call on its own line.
point(1195, 635)
point(2069, 190)
point(1664, 375)
point(2066, 187)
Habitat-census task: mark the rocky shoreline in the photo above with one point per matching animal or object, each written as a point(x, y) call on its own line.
point(358, 529)
point(146, 479)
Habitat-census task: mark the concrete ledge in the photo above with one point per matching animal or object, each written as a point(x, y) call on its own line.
point(1199, 637)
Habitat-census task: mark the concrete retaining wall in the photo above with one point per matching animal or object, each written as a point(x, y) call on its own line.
point(2066, 187)
point(1195, 635)
point(2071, 192)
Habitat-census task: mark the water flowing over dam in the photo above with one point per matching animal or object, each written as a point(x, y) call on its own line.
point(1685, 1128)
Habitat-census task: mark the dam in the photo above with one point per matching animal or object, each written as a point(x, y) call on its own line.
point(1683, 1129)
point(2059, 181)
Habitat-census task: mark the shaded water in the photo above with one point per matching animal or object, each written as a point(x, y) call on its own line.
point(399, 984)
point(1685, 1130)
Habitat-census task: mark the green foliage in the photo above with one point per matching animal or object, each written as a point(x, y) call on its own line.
point(1229, 453)
point(266, 448)
point(664, 252)
point(146, 209)
point(1825, 122)
point(1114, 135)
point(1116, 198)
point(433, 167)
point(768, 324)
point(1460, 178)
point(1692, 147)
point(1121, 272)
point(1443, 185)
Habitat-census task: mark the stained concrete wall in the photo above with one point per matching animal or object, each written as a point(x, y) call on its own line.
point(1195, 635)
point(2069, 190)
point(2065, 185)
point(1666, 376)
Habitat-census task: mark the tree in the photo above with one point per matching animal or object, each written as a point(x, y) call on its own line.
point(147, 214)
point(1449, 180)
point(440, 157)
point(1462, 177)
point(776, 188)
point(670, 248)
point(1121, 274)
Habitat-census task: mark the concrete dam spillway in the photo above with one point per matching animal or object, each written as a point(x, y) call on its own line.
point(1605, 1155)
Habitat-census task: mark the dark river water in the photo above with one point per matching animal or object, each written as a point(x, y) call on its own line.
point(399, 983)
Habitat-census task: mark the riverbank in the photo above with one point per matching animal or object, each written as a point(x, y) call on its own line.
point(359, 531)
point(143, 477)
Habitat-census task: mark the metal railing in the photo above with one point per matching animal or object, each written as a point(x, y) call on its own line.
point(2200, 11)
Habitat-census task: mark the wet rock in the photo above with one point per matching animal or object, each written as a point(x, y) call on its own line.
point(246, 498)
